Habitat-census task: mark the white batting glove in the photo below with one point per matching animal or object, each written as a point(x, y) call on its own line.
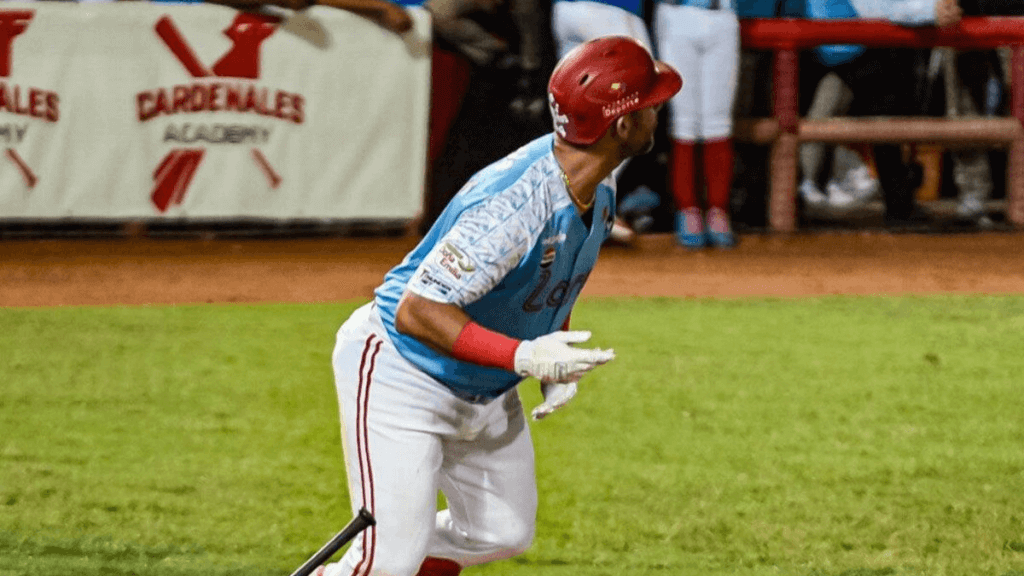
point(555, 397)
point(550, 358)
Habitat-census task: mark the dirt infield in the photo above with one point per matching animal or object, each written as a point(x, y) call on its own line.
point(161, 271)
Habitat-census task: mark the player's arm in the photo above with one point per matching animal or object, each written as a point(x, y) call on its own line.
point(482, 247)
point(448, 329)
point(433, 323)
point(388, 14)
point(443, 327)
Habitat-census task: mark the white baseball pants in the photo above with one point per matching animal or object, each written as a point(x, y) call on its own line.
point(574, 23)
point(405, 436)
point(704, 46)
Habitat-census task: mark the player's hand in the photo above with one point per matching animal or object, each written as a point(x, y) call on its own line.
point(395, 18)
point(551, 358)
point(947, 13)
point(555, 396)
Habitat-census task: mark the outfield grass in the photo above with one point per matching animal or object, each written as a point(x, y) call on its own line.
point(844, 435)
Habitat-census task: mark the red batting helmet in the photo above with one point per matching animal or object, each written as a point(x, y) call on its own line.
point(603, 79)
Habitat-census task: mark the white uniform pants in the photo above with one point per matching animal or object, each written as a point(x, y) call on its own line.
point(574, 23)
point(704, 46)
point(405, 437)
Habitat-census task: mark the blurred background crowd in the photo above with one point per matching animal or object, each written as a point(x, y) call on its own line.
point(491, 60)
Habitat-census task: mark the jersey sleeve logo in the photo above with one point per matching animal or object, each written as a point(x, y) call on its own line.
point(431, 283)
point(454, 261)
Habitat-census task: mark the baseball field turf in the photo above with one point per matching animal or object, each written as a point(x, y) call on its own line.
point(856, 436)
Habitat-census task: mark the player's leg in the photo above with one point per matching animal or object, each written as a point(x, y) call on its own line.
point(392, 450)
point(824, 104)
point(570, 26)
point(575, 22)
point(489, 483)
point(719, 76)
point(677, 30)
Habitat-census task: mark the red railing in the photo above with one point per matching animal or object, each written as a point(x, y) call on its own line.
point(785, 129)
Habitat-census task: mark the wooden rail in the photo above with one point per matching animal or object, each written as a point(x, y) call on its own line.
point(785, 130)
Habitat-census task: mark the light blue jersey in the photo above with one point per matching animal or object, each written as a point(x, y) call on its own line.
point(512, 250)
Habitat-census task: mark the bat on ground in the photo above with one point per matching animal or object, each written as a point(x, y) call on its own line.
point(362, 521)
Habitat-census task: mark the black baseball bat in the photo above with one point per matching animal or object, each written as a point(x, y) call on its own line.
point(361, 522)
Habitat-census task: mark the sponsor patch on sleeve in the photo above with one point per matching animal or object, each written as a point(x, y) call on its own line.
point(454, 261)
point(433, 285)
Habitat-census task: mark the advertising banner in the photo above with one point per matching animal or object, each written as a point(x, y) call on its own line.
point(136, 110)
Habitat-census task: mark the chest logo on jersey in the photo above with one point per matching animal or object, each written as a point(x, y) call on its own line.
point(545, 296)
point(550, 252)
point(455, 261)
point(548, 257)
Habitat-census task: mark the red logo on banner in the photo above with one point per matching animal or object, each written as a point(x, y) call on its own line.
point(15, 99)
point(214, 90)
point(26, 172)
point(173, 176)
point(247, 32)
point(12, 23)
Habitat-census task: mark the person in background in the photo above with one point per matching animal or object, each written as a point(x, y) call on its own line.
point(389, 15)
point(884, 82)
point(973, 86)
point(491, 63)
point(574, 22)
point(976, 83)
point(701, 39)
point(851, 182)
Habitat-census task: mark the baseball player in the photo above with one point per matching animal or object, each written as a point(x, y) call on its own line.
point(701, 39)
point(426, 373)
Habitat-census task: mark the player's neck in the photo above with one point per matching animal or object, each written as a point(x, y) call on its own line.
point(584, 169)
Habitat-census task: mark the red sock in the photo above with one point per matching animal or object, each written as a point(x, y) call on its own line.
point(439, 567)
point(683, 189)
point(718, 165)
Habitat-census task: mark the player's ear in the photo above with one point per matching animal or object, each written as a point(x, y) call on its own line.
point(623, 125)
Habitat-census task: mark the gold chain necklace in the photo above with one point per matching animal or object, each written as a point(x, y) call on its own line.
point(583, 207)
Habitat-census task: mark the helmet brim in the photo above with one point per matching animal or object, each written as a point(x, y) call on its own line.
point(667, 83)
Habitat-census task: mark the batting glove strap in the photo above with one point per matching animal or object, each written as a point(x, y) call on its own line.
point(552, 358)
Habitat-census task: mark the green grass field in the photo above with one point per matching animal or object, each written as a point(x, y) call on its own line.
point(856, 436)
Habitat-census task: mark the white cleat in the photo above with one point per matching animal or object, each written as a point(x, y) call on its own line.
point(811, 194)
point(839, 197)
point(862, 184)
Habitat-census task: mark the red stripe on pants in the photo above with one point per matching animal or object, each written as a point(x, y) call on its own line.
point(363, 447)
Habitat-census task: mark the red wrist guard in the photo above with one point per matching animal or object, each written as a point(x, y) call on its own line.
point(479, 345)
